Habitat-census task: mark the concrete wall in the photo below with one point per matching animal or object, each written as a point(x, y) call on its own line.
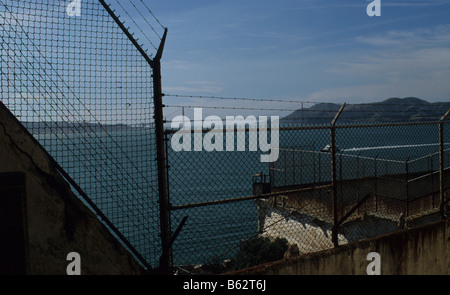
point(419, 251)
point(310, 233)
point(55, 221)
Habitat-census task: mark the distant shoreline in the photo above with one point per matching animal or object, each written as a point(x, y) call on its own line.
point(51, 127)
point(390, 110)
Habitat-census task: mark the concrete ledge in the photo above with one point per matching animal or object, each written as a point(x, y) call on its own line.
point(422, 250)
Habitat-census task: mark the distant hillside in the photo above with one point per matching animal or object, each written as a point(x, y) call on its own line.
point(389, 110)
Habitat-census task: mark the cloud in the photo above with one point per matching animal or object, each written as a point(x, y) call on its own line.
point(418, 38)
point(419, 3)
point(397, 63)
point(433, 89)
point(413, 54)
point(178, 64)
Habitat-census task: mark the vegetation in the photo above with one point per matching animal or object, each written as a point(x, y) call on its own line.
point(258, 251)
point(252, 252)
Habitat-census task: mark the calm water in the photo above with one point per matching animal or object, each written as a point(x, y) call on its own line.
point(118, 171)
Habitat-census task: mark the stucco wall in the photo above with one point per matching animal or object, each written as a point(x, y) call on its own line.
point(56, 222)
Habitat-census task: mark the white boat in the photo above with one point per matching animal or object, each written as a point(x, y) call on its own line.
point(327, 149)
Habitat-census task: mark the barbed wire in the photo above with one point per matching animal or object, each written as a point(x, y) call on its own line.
point(239, 98)
point(149, 10)
point(433, 105)
point(137, 26)
point(145, 19)
point(229, 108)
point(292, 110)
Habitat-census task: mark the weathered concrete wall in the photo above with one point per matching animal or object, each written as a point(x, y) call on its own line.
point(310, 233)
point(419, 251)
point(56, 221)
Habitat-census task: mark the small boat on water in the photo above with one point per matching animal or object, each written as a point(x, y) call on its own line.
point(327, 149)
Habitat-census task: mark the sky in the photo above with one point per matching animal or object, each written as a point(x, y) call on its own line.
point(308, 50)
point(303, 51)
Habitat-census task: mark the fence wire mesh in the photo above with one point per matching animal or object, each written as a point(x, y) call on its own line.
point(86, 94)
point(386, 179)
point(201, 177)
point(391, 165)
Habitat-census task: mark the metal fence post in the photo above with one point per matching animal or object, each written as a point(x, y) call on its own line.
point(357, 177)
point(161, 161)
point(155, 64)
point(341, 180)
point(301, 166)
point(169, 225)
point(376, 182)
point(407, 186)
point(285, 167)
point(314, 165)
point(320, 177)
point(441, 164)
point(334, 233)
point(294, 182)
point(431, 181)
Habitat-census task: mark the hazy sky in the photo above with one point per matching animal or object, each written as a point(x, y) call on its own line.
point(312, 50)
point(297, 50)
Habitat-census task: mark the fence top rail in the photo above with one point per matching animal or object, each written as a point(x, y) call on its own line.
point(430, 155)
point(247, 129)
point(387, 124)
point(360, 125)
point(423, 176)
point(170, 130)
point(247, 198)
point(341, 154)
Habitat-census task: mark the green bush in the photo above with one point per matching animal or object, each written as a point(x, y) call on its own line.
point(258, 251)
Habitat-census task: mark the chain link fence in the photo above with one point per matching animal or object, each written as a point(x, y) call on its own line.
point(200, 187)
point(87, 94)
point(78, 84)
point(386, 178)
